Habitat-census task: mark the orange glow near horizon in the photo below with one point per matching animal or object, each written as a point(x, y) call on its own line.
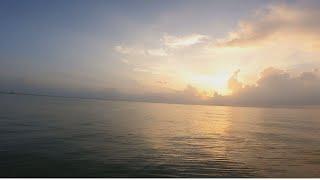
point(210, 84)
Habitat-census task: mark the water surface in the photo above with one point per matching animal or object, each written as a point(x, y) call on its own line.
point(59, 137)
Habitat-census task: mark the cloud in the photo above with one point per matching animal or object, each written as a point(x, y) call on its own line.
point(156, 52)
point(274, 87)
point(189, 95)
point(191, 90)
point(167, 41)
point(234, 84)
point(140, 51)
point(183, 41)
point(125, 61)
point(161, 82)
point(127, 50)
point(141, 70)
point(276, 22)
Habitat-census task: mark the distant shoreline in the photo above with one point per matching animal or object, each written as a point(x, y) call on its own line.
point(123, 100)
point(47, 95)
point(102, 99)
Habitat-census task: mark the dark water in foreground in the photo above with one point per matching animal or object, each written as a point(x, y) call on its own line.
point(57, 137)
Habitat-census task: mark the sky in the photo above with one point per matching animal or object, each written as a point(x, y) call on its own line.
point(252, 53)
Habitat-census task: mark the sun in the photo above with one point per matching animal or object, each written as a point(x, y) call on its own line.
point(210, 84)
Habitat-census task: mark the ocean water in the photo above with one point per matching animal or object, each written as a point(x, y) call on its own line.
point(59, 137)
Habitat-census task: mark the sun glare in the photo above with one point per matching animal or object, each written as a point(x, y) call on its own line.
point(211, 83)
